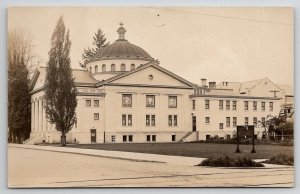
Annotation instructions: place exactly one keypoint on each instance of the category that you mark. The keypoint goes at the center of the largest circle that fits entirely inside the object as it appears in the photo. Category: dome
(122, 49)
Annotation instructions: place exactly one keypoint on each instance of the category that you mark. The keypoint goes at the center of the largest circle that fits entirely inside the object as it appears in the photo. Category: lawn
(201, 150)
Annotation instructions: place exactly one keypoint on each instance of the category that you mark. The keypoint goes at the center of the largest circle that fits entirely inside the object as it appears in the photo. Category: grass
(200, 150)
(226, 161)
(281, 159)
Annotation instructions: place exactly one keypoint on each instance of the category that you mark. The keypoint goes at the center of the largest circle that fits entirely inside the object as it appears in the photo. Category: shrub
(230, 162)
(281, 159)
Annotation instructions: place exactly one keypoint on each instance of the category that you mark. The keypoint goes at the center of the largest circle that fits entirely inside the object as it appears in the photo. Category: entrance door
(93, 135)
(194, 123)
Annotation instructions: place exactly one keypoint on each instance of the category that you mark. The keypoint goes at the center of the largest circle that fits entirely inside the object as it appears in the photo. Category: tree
(99, 42)
(60, 92)
(278, 125)
(19, 100)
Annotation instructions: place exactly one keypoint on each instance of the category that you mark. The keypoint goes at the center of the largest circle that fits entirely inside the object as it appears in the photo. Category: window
(132, 66)
(263, 106)
(127, 100)
(113, 138)
(96, 116)
(207, 120)
(153, 137)
(172, 101)
(221, 104)
(91, 70)
(96, 103)
(150, 101)
(255, 121)
(173, 137)
(123, 120)
(246, 121)
(170, 120)
(124, 138)
(75, 123)
(263, 121)
(130, 138)
(246, 105)
(220, 125)
(227, 121)
(233, 105)
(113, 67)
(96, 69)
(103, 68)
(254, 105)
(148, 122)
(129, 120)
(123, 67)
(227, 105)
(206, 104)
(126, 120)
(88, 103)
(194, 104)
(271, 106)
(148, 138)
(152, 120)
(175, 120)
(234, 120)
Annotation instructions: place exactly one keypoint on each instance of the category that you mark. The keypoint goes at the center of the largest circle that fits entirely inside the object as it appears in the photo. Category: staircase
(33, 140)
(190, 136)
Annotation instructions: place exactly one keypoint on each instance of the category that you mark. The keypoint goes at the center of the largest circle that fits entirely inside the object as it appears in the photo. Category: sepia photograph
(150, 97)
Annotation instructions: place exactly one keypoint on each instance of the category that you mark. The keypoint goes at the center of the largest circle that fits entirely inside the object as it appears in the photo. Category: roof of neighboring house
(288, 90)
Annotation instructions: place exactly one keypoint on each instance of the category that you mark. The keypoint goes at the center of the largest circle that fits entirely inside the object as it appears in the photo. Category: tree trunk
(63, 139)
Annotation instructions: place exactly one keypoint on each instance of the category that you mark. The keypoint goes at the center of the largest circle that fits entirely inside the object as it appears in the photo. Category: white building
(124, 95)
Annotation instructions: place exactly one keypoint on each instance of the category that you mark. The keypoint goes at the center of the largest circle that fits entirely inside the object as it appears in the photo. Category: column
(40, 115)
(32, 115)
(36, 114)
(44, 117)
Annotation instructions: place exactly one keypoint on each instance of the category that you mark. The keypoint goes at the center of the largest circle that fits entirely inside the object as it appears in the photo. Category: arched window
(113, 67)
(103, 68)
(96, 69)
(123, 67)
(132, 66)
(90, 69)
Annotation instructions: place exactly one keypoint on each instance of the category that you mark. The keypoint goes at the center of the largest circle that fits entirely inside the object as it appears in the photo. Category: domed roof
(122, 49)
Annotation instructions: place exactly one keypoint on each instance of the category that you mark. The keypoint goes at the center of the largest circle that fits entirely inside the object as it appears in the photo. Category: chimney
(212, 84)
(203, 82)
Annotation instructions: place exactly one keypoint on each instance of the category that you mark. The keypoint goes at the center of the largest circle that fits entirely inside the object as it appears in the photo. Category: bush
(230, 162)
(281, 159)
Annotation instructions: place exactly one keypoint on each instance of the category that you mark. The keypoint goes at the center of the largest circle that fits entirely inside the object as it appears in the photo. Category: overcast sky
(220, 44)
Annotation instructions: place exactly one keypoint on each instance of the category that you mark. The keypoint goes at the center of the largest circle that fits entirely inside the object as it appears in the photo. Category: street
(40, 168)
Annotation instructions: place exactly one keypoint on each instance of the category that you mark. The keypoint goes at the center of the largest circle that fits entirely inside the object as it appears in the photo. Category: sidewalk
(131, 156)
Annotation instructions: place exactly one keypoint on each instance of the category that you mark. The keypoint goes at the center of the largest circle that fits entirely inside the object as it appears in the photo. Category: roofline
(145, 85)
(240, 97)
(144, 66)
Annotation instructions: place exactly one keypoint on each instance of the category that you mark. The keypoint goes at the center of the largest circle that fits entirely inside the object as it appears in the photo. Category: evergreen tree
(19, 103)
(99, 41)
(60, 92)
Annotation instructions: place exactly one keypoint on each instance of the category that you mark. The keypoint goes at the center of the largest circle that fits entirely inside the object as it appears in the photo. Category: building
(125, 95)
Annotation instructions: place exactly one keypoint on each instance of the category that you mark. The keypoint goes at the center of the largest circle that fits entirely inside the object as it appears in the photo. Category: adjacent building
(125, 95)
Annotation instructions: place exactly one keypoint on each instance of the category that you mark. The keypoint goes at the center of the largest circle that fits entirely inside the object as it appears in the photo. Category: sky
(219, 44)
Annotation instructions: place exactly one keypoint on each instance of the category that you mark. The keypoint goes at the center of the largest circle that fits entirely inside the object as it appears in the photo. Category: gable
(264, 88)
(37, 80)
(152, 76)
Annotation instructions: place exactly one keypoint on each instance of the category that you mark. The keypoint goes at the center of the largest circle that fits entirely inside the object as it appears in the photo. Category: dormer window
(113, 67)
(123, 67)
(103, 68)
(132, 66)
